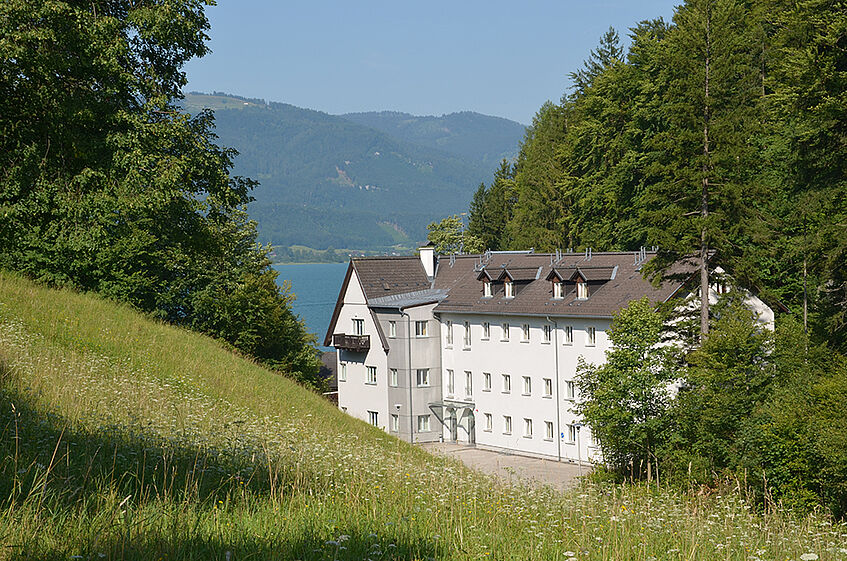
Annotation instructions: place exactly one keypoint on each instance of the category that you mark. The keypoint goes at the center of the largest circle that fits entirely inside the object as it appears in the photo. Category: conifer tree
(704, 158)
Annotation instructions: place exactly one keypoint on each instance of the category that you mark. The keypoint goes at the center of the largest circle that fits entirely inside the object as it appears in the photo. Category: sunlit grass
(125, 438)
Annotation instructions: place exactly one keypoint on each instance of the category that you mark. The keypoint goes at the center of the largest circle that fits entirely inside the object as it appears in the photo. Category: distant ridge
(468, 134)
(329, 181)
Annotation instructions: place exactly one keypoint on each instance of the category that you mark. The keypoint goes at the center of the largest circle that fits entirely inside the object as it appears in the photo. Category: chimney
(427, 253)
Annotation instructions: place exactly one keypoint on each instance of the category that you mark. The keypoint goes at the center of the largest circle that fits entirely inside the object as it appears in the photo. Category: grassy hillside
(326, 181)
(122, 438)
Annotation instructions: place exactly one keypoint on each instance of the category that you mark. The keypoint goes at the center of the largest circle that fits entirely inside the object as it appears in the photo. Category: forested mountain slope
(473, 136)
(326, 181)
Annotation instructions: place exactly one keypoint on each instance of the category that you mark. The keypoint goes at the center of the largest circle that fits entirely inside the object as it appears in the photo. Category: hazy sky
(426, 58)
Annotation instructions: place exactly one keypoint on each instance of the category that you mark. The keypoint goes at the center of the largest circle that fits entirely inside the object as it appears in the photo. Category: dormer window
(486, 289)
(581, 290)
(558, 290)
(510, 289)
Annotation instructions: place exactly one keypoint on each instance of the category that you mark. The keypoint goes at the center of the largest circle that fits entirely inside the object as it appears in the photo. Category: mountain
(329, 181)
(473, 136)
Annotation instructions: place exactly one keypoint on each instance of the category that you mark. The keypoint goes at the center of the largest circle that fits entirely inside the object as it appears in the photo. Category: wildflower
(809, 557)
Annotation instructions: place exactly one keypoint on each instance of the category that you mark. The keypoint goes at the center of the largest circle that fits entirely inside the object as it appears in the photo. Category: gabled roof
(386, 276)
(381, 278)
(520, 274)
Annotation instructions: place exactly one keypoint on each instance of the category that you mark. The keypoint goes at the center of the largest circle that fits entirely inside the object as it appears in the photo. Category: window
(486, 289)
(558, 291)
(505, 328)
(572, 433)
(489, 422)
(548, 430)
(527, 428)
(548, 387)
(570, 390)
(507, 425)
(420, 328)
(423, 423)
(581, 290)
(358, 327)
(373, 418)
(451, 382)
(548, 333)
(423, 376)
(449, 329)
(392, 329)
(486, 381)
(342, 375)
(468, 383)
(467, 340)
(371, 374)
(507, 383)
(393, 380)
(510, 289)
(591, 336)
(486, 330)
(395, 423)
(525, 333)
(527, 385)
(568, 335)
(344, 409)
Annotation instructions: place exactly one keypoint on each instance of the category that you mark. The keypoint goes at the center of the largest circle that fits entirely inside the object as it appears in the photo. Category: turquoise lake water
(316, 286)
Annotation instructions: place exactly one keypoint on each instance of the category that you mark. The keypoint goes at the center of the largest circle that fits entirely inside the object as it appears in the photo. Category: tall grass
(122, 438)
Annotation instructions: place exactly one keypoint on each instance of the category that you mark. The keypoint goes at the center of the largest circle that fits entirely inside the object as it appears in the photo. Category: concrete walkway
(559, 475)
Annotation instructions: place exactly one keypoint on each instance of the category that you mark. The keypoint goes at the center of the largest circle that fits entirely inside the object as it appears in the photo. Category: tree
(492, 209)
(607, 52)
(108, 186)
(449, 236)
(539, 209)
(729, 375)
(626, 400)
(704, 157)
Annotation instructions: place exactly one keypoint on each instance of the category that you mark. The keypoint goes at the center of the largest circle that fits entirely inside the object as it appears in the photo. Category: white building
(482, 349)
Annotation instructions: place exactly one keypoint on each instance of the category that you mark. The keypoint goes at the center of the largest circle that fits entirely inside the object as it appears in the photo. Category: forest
(721, 136)
(107, 186)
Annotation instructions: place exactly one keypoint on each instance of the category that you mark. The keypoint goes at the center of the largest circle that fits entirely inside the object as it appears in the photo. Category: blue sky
(426, 58)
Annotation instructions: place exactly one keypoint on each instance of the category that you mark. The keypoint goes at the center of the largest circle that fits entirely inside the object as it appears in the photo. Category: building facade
(483, 349)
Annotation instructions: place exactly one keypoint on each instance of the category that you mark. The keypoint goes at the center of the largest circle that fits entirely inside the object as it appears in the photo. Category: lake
(316, 286)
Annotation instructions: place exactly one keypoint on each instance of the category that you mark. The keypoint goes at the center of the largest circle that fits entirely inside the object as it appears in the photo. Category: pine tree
(607, 52)
(704, 158)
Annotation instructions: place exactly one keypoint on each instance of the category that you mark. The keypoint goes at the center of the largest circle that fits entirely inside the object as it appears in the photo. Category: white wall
(517, 358)
(355, 395)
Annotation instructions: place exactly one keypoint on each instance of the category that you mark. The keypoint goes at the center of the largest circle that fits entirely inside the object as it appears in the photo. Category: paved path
(559, 475)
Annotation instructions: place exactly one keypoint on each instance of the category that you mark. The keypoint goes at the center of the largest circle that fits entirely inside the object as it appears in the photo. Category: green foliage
(491, 209)
(449, 237)
(626, 399)
(796, 438)
(728, 376)
(108, 187)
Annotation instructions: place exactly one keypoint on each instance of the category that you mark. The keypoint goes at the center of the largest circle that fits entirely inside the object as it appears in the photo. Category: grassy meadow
(123, 438)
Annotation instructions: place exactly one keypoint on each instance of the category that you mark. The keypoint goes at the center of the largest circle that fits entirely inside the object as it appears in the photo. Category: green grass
(122, 438)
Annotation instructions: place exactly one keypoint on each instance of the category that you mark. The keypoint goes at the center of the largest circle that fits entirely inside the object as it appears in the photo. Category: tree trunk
(704, 195)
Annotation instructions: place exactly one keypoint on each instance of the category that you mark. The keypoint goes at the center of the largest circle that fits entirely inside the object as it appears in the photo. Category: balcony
(354, 343)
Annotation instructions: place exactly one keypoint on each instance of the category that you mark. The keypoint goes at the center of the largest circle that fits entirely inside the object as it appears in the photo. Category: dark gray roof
(387, 276)
(615, 280)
